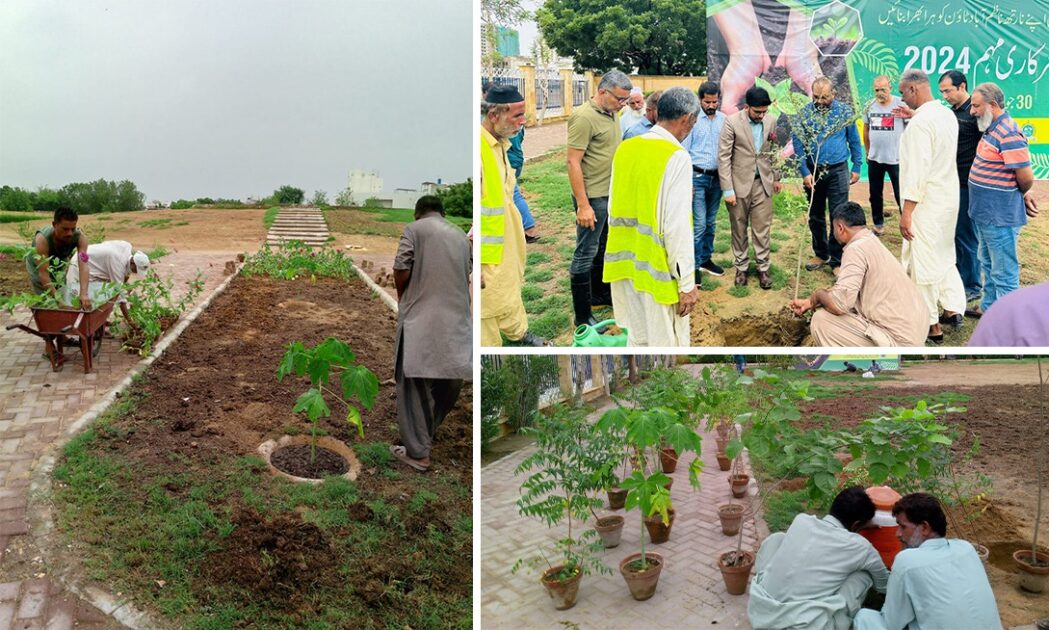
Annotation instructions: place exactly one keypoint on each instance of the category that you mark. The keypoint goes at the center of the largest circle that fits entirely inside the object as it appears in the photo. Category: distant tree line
(458, 199)
(86, 198)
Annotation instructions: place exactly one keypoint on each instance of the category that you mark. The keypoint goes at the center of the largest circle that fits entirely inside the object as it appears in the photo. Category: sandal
(401, 454)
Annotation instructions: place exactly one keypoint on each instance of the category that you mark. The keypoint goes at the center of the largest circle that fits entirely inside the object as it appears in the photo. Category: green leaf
(733, 448)
(288, 361)
(940, 439)
(826, 483)
(361, 382)
(313, 404)
(878, 473)
(354, 418)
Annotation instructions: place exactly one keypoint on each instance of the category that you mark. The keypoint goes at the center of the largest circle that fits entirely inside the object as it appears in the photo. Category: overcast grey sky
(235, 98)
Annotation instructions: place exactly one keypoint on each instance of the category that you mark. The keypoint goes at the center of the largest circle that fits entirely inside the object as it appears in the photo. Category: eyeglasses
(882, 89)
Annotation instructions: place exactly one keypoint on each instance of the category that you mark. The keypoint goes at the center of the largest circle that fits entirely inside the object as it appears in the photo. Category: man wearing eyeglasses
(882, 131)
(593, 137)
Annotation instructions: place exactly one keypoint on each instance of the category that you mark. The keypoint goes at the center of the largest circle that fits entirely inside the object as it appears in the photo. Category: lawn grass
(379, 221)
(20, 217)
(270, 216)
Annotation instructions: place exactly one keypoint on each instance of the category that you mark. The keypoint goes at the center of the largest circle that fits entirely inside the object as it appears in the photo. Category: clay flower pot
(669, 484)
(724, 463)
(739, 484)
(610, 529)
(668, 459)
(563, 592)
(736, 577)
(983, 553)
(721, 442)
(658, 532)
(722, 428)
(642, 583)
(731, 516)
(616, 498)
(1032, 574)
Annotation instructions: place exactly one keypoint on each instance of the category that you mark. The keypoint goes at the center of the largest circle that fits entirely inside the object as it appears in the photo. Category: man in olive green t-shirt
(593, 136)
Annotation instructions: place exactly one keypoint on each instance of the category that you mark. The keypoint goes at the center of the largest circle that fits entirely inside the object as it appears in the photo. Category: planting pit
(168, 502)
(770, 329)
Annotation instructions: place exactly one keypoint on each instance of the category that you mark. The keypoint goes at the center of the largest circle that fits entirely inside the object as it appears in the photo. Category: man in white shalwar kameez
(929, 189)
(652, 298)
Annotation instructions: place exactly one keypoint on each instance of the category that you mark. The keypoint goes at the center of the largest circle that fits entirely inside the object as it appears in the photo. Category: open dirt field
(1002, 408)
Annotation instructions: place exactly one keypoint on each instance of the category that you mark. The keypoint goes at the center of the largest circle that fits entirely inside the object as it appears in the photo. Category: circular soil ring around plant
(290, 457)
(298, 460)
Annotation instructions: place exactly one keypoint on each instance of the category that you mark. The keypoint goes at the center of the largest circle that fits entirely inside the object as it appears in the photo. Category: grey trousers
(755, 210)
(422, 405)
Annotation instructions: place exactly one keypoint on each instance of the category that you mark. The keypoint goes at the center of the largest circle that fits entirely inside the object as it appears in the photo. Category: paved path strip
(299, 224)
(37, 406)
(691, 592)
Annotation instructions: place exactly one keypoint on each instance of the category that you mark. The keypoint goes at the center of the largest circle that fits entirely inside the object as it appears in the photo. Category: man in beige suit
(749, 182)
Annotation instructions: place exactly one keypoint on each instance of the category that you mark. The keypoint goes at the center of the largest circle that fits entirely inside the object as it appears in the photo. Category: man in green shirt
(55, 245)
(593, 136)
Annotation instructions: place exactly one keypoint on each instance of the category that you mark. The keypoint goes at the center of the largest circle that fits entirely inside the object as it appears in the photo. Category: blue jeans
(522, 206)
(706, 198)
(1001, 268)
(965, 246)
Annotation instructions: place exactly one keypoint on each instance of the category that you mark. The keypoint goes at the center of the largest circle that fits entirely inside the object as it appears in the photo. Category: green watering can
(587, 336)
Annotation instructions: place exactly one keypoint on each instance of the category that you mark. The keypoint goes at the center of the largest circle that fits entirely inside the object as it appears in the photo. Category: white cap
(636, 90)
(141, 262)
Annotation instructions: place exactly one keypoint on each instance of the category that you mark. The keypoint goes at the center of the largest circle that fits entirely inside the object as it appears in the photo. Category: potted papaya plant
(644, 430)
(1033, 563)
(558, 492)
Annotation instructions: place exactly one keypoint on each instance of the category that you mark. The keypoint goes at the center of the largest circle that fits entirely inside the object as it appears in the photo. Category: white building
(365, 184)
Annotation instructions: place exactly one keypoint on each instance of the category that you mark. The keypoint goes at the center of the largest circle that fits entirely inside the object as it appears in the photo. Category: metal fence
(553, 101)
(580, 90)
(505, 76)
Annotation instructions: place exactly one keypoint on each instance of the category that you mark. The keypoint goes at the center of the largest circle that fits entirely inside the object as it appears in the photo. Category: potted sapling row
(558, 492)
(644, 430)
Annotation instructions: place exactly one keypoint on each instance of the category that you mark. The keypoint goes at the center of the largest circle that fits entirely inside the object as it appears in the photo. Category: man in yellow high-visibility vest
(502, 236)
(650, 259)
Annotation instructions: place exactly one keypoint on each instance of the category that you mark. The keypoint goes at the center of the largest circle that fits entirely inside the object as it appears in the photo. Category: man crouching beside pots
(936, 582)
(817, 573)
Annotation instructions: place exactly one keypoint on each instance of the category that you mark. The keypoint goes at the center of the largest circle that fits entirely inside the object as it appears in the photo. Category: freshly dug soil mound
(295, 460)
(772, 329)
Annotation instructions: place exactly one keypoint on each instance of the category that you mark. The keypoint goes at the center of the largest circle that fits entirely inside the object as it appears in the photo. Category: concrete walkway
(36, 407)
(541, 140)
(691, 592)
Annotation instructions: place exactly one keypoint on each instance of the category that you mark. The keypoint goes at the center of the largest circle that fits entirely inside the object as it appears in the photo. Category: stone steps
(299, 224)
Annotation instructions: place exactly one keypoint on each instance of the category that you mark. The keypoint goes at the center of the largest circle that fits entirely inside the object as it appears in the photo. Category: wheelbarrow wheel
(96, 346)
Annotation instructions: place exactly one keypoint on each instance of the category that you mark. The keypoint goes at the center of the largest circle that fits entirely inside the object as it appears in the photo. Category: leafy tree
(289, 195)
(344, 197)
(102, 196)
(47, 200)
(15, 199)
(181, 204)
(320, 198)
(655, 36)
(457, 199)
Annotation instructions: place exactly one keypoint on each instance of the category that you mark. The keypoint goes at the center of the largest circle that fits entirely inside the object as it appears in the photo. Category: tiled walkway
(691, 592)
(36, 407)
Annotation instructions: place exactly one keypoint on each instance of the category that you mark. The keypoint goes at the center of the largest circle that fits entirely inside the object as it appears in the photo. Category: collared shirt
(702, 142)
(994, 198)
(640, 129)
(969, 135)
(757, 128)
(941, 585)
(873, 284)
(516, 152)
(838, 146)
(597, 134)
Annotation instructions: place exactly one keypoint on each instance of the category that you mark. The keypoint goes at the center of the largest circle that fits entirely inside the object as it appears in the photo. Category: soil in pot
(736, 574)
(610, 529)
(563, 590)
(724, 463)
(659, 533)
(1033, 571)
(641, 581)
(731, 516)
(668, 460)
(616, 498)
(295, 460)
(739, 485)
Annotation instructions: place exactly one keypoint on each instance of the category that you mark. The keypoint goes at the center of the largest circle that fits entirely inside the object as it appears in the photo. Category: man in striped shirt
(999, 192)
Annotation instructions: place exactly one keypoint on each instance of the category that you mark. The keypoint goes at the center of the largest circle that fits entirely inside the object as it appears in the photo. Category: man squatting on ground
(54, 245)
(434, 337)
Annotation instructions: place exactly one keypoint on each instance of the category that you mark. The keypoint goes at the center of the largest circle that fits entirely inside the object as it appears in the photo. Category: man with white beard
(999, 193)
(634, 112)
(929, 189)
(936, 582)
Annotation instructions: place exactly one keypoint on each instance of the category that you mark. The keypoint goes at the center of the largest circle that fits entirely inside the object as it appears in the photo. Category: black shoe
(699, 280)
(936, 339)
(814, 264)
(531, 239)
(954, 321)
(531, 340)
(600, 292)
(581, 298)
(712, 268)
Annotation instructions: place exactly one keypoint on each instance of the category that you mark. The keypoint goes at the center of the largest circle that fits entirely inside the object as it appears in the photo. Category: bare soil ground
(1003, 410)
(214, 397)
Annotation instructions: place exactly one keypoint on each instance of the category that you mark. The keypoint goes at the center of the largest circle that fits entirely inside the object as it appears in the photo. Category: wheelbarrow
(53, 325)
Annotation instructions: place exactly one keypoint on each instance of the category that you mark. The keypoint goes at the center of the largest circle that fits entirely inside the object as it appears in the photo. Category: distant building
(507, 41)
(364, 184)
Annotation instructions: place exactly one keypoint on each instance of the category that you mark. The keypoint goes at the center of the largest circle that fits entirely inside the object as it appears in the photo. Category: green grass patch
(157, 253)
(709, 283)
(781, 507)
(536, 258)
(270, 216)
(21, 217)
(373, 454)
(531, 293)
(160, 224)
(780, 236)
(551, 323)
(556, 302)
(739, 291)
(541, 274)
